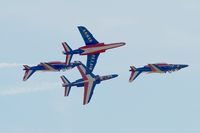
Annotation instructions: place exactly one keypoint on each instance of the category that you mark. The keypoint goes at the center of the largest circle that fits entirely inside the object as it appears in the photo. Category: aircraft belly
(93, 50)
(79, 83)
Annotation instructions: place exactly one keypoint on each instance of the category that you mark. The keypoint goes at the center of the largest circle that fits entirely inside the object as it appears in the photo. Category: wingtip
(62, 77)
(130, 81)
(81, 26)
(24, 78)
(85, 103)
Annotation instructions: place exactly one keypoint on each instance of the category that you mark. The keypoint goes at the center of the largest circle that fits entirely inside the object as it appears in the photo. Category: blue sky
(154, 31)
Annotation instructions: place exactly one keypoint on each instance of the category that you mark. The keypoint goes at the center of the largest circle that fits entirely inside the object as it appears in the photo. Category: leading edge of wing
(84, 71)
(88, 91)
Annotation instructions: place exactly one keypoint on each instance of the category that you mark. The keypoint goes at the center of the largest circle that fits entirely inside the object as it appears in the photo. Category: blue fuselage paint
(98, 79)
(166, 68)
(57, 67)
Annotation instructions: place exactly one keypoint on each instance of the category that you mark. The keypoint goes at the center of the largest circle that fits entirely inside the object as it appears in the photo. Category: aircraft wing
(84, 71)
(87, 36)
(48, 67)
(155, 68)
(91, 61)
(88, 91)
(89, 83)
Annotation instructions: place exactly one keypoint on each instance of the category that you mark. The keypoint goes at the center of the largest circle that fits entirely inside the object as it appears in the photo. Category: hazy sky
(154, 31)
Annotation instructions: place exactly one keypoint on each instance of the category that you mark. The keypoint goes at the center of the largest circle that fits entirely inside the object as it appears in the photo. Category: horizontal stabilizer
(66, 84)
(132, 68)
(134, 73)
(66, 47)
(67, 52)
(28, 74)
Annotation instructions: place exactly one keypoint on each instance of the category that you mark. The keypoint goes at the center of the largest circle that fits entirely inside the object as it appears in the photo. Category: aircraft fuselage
(97, 80)
(95, 48)
(161, 68)
(56, 65)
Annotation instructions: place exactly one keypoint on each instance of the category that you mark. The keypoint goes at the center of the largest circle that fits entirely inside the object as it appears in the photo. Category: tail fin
(134, 73)
(67, 52)
(66, 84)
(28, 72)
(132, 68)
(26, 67)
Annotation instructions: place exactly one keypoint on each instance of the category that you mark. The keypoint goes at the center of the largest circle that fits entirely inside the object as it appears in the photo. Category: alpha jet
(92, 49)
(155, 68)
(54, 66)
(88, 81)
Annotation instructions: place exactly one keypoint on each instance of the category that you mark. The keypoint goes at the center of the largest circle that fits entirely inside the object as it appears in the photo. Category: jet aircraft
(92, 49)
(155, 68)
(49, 66)
(88, 80)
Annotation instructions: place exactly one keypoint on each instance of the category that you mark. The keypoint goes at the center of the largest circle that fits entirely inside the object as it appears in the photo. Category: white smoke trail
(10, 65)
(29, 89)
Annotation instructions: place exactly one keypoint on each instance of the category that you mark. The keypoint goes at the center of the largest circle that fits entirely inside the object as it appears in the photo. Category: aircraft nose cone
(122, 43)
(183, 66)
(114, 75)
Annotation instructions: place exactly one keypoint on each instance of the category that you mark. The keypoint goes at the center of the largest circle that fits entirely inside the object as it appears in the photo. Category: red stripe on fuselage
(98, 48)
(152, 68)
(56, 62)
(96, 52)
(92, 45)
(162, 64)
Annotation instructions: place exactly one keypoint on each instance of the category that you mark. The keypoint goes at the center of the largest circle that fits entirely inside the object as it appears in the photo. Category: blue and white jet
(53, 66)
(88, 81)
(92, 49)
(155, 68)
